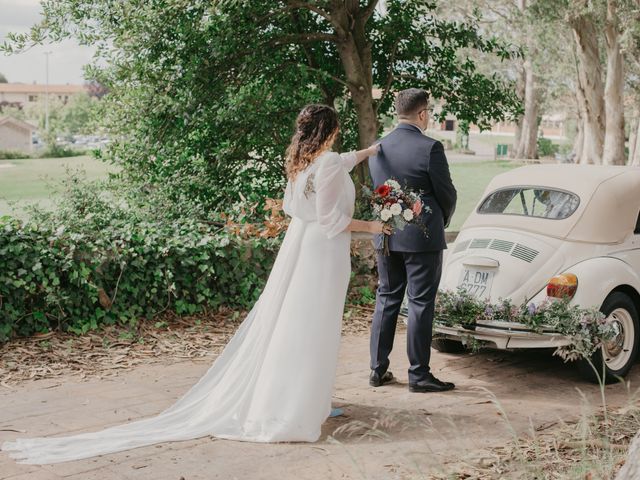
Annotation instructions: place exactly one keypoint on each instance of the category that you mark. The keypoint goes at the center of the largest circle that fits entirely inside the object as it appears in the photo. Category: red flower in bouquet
(383, 190)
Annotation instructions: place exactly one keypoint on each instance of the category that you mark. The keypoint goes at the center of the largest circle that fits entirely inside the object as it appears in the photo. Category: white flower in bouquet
(393, 184)
(408, 215)
(395, 209)
(377, 208)
(385, 214)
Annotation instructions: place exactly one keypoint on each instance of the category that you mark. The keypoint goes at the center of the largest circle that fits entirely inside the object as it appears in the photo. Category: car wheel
(446, 345)
(619, 354)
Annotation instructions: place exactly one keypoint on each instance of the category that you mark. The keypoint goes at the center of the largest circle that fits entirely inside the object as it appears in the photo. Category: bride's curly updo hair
(316, 129)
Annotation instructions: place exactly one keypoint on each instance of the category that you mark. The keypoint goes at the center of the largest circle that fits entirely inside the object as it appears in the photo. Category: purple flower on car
(531, 308)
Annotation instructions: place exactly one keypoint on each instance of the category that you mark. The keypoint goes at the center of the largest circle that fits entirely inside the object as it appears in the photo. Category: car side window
(637, 230)
(530, 202)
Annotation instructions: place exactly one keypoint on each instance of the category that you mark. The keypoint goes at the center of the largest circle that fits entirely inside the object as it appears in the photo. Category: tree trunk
(526, 144)
(589, 83)
(528, 147)
(633, 136)
(582, 121)
(578, 143)
(527, 141)
(635, 158)
(367, 130)
(520, 86)
(613, 152)
(354, 49)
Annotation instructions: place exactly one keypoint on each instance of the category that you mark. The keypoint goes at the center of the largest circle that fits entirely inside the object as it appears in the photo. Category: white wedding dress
(274, 380)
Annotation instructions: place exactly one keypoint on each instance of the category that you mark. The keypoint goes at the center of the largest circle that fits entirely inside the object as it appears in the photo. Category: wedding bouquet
(395, 206)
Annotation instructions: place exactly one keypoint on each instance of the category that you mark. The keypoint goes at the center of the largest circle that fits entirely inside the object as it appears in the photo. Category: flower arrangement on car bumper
(587, 328)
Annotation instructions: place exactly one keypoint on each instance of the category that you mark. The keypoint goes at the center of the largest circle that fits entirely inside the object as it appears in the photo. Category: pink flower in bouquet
(417, 208)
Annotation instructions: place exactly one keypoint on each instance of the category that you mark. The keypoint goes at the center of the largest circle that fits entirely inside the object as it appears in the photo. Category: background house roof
(17, 122)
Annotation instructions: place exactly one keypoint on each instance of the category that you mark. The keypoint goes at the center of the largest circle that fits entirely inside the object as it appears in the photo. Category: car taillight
(562, 286)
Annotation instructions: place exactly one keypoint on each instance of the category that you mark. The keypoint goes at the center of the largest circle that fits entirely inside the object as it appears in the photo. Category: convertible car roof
(608, 209)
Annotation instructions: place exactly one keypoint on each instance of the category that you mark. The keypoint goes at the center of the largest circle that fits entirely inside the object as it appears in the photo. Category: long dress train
(274, 380)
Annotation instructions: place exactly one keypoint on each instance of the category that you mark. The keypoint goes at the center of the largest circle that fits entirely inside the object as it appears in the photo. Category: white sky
(65, 63)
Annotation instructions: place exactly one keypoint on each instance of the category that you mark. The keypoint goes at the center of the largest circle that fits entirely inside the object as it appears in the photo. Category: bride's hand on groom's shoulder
(373, 149)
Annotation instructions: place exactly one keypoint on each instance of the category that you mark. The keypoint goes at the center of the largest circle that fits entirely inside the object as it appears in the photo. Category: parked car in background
(544, 230)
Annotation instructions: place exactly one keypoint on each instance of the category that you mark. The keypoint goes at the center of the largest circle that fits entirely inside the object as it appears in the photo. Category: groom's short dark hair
(410, 101)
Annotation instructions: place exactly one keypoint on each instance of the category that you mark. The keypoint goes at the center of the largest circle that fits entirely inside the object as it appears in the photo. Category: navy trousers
(419, 273)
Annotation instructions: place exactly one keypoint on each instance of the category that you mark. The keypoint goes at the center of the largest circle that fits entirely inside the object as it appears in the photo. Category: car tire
(617, 366)
(446, 345)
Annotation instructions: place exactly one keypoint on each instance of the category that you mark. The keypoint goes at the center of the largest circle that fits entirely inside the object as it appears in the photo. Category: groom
(415, 261)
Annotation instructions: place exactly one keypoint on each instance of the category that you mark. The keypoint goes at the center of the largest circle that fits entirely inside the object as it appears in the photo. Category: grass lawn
(470, 180)
(35, 179)
(494, 139)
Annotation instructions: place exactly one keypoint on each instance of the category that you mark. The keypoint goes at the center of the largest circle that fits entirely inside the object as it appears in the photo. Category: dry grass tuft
(594, 446)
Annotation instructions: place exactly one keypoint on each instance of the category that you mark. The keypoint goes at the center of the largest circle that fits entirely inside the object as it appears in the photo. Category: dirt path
(387, 433)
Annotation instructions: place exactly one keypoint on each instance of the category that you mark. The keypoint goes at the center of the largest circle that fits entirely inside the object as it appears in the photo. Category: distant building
(24, 94)
(16, 135)
(551, 126)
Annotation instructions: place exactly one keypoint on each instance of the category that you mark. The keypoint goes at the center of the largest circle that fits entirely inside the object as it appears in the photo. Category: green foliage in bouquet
(587, 328)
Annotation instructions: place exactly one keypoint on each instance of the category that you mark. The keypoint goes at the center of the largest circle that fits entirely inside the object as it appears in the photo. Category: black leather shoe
(431, 384)
(375, 380)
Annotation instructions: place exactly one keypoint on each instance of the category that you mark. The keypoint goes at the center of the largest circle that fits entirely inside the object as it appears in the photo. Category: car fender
(598, 277)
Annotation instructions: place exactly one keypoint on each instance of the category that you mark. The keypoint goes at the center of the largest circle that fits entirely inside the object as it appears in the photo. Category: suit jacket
(417, 162)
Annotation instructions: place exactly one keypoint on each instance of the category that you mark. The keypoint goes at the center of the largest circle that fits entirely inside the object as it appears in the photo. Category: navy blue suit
(415, 260)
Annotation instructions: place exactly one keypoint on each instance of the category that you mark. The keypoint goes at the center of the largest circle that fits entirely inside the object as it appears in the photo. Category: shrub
(12, 155)
(60, 151)
(546, 148)
(95, 260)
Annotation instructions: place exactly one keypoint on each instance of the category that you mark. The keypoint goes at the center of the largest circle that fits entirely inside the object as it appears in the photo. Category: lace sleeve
(286, 201)
(329, 190)
(349, 160)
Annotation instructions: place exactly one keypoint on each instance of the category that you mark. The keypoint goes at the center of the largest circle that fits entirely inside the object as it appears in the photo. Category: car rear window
(530, 202)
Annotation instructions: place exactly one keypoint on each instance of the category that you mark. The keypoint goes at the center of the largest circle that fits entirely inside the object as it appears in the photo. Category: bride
(274, 380)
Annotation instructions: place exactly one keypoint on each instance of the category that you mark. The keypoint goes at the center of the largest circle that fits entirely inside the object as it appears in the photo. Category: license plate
(476, 282)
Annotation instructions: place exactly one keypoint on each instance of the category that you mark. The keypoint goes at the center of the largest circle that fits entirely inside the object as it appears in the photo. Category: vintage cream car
(539, 227)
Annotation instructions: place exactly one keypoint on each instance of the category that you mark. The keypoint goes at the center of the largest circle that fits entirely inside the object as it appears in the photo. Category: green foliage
(586, 328)
(364, 295)
(98, 261)
(3, 79)
(546, 148)
(78, 115)
(55, 150)
(12, 155)
(203, 95)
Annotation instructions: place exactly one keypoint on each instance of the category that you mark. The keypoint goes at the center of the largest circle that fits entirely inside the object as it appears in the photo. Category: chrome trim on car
(503, 338)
